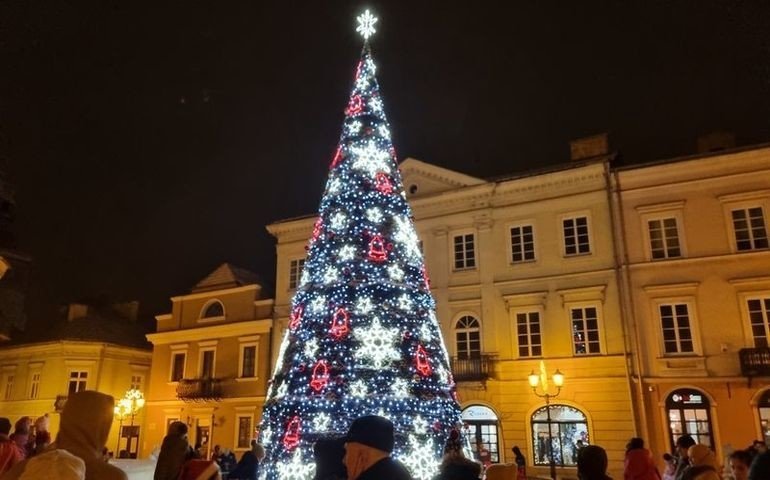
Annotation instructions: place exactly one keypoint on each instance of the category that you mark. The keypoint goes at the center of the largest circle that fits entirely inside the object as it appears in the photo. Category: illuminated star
(366, 23)
(404, 302)
(420, 425)
(311, 348)
(347, 252)
(359, 389)
(364, 305)
(400, 388)
(267, 432)
(338, 221)
(395, 272)
(425, 334)
(318, 304)
(374, 215)
(321, 421)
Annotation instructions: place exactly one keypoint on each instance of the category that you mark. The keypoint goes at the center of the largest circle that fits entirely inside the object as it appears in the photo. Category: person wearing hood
(454, 465)
(639, 464)
(703, 464)
(592, 463)
(83, 431)
(174, 452)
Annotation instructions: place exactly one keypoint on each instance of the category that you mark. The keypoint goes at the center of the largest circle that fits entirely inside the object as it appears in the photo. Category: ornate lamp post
(541, 379)
(128, 406)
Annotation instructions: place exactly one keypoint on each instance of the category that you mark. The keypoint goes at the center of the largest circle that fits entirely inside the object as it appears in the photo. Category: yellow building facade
(88, 351)
(696, 261)
(210, 362)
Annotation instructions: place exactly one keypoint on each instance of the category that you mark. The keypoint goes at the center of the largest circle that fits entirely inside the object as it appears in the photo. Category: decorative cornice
(525, 299)
(236, 329)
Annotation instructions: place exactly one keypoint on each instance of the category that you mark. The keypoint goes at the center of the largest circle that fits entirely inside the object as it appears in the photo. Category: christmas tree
(363, 338)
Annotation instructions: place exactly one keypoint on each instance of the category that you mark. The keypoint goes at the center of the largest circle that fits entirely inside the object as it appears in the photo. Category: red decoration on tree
(320, 376)
(291, 437)
(296, 316)
(337, 157)
(425, 277)
(355, 106)
(316, 230)
(377, 249)
(340, 323)
(421, 361)
(382, 183)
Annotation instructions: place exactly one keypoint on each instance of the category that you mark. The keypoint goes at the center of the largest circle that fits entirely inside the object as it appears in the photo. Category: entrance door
(481, 426)
(689, 412)
(130, 434)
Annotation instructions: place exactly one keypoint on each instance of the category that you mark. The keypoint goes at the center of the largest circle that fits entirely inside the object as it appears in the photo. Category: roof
(227, 276)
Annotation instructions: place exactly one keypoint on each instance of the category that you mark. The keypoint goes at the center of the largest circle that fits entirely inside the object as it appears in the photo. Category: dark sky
(151, 141)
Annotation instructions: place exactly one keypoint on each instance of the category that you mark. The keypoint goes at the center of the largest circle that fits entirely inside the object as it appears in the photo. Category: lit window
(295, 272)
(178, 360)
(34, 386)
(576, 238)
(764, 416)
(528, 332)
(8, 387)
(664, 238)
(136, 382)
(759, 315)
(214, 309)
(689, 414)
(585, 330)
(207, 363)
(244, 432)
(468, 336)
(78, 381)
(522, 244)
(749, 229)
(677, 332)
(464, 251)
(249, 361)
(567, 430)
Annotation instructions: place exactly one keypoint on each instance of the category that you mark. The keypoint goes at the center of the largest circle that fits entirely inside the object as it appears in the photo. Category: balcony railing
(199, 389)
(755, 362)
(471, 369)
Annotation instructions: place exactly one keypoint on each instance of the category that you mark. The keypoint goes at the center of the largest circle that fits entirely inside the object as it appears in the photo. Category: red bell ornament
(355, 106)
(337, 157)
(421, 362)
(382, 183)
(296, 317)
(320, 376)
(425, 277)
(377, 249)
(340, 324)
(291, 437)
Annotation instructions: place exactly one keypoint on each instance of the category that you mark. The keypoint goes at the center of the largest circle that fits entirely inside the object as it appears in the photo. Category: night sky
(151, 141)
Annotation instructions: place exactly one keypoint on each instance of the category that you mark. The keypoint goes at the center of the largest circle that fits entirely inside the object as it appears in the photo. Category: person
(174, 452)
(760, 467)
(227, 460)
(57, 463)
(216, 453)
(84, 427)
(740, 461)
(42, 435)
(669, 473)
(592, 463)
(10, 454)
(683, 443)
(638, 464)
(454, 465)
(368, 445)
(521, 463)
(328, 454)
(759, 446)
(20, 435)
(703, 464)
(248, 466)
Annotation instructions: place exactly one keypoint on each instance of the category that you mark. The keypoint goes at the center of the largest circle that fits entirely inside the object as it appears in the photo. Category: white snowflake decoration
(366, 23)
(371, 158)
(318, 304)
(297, 469)
(311, 348)
(359, 389)
(347, 252)
(364, 305)
(321, 421)
(377, 344)
(404, 302)
(420, 460)
(267, 433)
(334, 185)
(400, 388)
(384, 131)
(396, 273)
(331, 275)
(406, 235)
(376, 104)
(374, 215)
(425, 334)
(338, 221)
(420, 425)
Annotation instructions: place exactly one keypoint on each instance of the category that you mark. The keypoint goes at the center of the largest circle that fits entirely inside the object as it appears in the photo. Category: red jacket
(10, 455)
(640, 466)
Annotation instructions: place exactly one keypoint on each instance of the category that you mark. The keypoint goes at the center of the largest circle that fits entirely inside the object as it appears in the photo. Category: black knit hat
(373, 431)
(5, 426)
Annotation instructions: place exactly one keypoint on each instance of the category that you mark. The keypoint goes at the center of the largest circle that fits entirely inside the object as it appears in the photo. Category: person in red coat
(639, 464)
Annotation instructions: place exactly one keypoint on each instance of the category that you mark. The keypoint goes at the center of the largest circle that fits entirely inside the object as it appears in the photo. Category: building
(95, 347)
(696, 261)
(523, 270)
(210, 362)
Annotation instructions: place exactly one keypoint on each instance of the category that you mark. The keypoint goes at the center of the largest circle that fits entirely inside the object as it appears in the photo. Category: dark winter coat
(639, 465)
(247, 468)
(174, 452)
(386, 469)
(459, 468)
(760, 467)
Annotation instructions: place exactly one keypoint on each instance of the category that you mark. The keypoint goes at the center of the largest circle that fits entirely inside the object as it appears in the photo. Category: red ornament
(377, 249)
(296, 316)
(340, 323)
(382, 183)
(425, 277)
(337, 157)
(291, 437)
(320, 376)
(316, 230)
(355, 106)
(421, 361)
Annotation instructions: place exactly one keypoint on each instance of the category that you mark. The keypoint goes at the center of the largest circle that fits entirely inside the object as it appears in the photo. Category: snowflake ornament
(297, 469)
(406, 236)
(421, 460)
(376, 104)
(377, 344)
(366, 23)
(371, 158)
(425, 334)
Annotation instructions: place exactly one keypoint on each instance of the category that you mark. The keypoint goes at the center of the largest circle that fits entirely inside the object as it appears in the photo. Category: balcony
(199, 389)
(755, 362)
(471, 369)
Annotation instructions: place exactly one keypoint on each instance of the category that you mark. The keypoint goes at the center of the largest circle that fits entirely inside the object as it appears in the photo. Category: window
(576, 239)
(465, 251)
(244, 432)
(689, 413)
(522, 244)
(248, 361)
(585, 330)
(759, 315)
(207, 363)
(8, 387)
(482, 428)
(559, 431)
(34, 386)
(764, 416)
(178, 360)
(136, 382)
(467, 335)
(78, 381)
(214, 309)
(749, 229)
(664, 238)
(528, 333)
(675, 325)
(295, 272)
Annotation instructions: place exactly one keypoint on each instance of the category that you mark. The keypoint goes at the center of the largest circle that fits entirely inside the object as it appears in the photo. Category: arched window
(565, 428)
(689, 412)
(481, 424)
(213, 309)
(764, 415)
(468, 338)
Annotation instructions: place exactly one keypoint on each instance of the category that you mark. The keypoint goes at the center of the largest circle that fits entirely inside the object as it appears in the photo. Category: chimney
(76, 310)
(716, 141)
(129, 310)
(589, 147)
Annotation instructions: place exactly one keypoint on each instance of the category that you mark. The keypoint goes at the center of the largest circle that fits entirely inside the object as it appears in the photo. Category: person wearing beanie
(639, 464)
(454, 465)
(592, 463)
(368, 445)
(10, 454)
(703, 464)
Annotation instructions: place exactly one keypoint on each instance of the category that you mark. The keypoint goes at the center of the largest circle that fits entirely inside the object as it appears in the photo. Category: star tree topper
(366, 23)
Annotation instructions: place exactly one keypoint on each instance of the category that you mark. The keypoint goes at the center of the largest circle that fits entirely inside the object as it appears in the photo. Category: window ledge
(246, 379)
(577, 255)
(686, 364)
(212, 319)
(515, 263)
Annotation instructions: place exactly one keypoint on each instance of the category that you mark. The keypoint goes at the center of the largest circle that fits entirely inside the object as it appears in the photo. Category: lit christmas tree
(363, 338)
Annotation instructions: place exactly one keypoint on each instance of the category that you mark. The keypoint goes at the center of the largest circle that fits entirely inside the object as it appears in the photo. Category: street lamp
(541, 379)
(128, 406)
